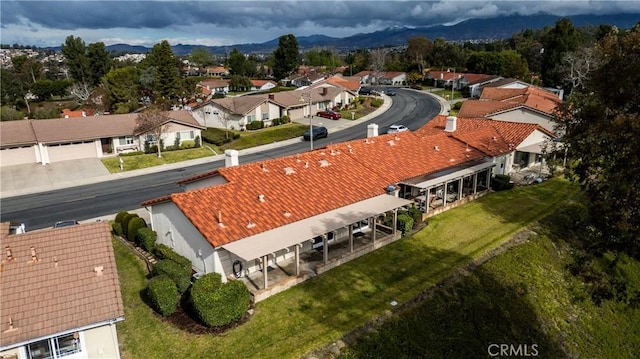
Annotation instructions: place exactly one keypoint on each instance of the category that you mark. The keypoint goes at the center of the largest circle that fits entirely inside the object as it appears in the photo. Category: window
(56, 347)
(185, 135)
(151, 139)
(126, 140)
(265, 116)
(251, 118)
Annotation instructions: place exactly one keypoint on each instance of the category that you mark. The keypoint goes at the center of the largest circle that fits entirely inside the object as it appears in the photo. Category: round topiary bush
(125, 222)
(120, 216)
(218, 304)
(116, 227)
(178, 274)
(163, 294)
(146, 239)
(133, 226)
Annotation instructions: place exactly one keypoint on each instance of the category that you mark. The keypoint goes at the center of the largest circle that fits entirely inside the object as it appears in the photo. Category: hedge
(255, 125)
(117, 228)
(218, 137)
(163, 295)
(146, 239)
(501, 183)
(133, 226)
(120, 216)
(405, 223)
(415, 213)
(162, 251)
(219, 304)
(178, 274)
(125, 222)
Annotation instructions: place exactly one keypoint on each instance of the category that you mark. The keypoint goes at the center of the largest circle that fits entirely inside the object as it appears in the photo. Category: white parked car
(397, 129)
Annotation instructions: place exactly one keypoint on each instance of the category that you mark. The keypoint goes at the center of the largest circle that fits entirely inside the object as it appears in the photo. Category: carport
(261, 245)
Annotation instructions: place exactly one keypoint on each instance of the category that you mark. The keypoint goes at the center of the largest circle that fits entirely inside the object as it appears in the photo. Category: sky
(224, 23)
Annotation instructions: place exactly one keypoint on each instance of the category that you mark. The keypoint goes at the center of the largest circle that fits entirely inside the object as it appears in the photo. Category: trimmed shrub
(217, 136)
(188, 144)
(116, 228)
(197, 142)
(146, 239)
(120, 216)
(178, 274)
(501, 183)
(125, 222)
(219, 304)
(162, 251)
(376, 102)
(133, 153)
(163, 295)
(275, 122)
(133, 226)
(255, 125)
(285, 119)
(415, 214)
(405, 223)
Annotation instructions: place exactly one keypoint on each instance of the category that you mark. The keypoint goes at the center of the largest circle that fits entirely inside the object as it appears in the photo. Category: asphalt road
(410, 108)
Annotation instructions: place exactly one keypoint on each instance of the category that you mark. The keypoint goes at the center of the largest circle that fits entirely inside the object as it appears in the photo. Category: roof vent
(34, 256)
(306, 164)
(495, 138)
(220, 224)
(436, 148)
(264, 168)
(298, 159)
(467, 149)
(10, 257)
(391, 143)
(397, 138)
(324, 163)
(261, 198)
(289, 170)
(99, 270)
(250, 224)
(452, 160)
(11, 328)
(286, 214)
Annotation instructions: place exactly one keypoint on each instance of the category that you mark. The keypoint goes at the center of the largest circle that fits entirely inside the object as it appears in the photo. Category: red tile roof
(320, 181)
(494, 100)
(62, 290)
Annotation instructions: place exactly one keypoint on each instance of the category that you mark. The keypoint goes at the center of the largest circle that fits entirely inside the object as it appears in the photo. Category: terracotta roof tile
(61, 291)
(494, 100)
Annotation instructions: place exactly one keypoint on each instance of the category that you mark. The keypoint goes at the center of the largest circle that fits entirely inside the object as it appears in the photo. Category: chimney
(272, 96)
(98, 270)
(451, 124)
(84, 114)
(230, 158)
(372, 130)
(324, 91)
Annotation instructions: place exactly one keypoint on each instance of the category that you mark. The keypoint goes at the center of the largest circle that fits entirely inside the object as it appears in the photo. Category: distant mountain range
(472, 29)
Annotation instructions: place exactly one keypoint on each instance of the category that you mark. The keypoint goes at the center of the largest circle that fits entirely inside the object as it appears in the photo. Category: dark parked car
(329, 114)
(391, 92)
(71, 222)
(365, 91)
(318, 132)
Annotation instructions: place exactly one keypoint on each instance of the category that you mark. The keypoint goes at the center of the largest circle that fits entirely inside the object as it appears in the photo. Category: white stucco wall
(102, 342)
(177, 232)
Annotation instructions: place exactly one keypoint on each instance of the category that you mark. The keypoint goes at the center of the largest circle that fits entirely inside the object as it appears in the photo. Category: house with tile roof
(527, 105)
(511, 145)
(218, 71)
(392, 78)
(60, 293)
(243, 221)
(213, 85)
(262, 85)
(63, 139)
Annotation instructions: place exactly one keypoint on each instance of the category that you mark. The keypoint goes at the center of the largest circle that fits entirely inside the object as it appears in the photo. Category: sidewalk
(34, 178)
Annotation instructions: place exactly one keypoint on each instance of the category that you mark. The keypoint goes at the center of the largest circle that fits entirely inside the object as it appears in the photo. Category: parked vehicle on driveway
(318, 132)
(329, 114)
(397, 129)
(391, 92)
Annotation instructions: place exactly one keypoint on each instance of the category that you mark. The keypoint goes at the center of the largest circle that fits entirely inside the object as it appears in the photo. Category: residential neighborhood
(426, 198)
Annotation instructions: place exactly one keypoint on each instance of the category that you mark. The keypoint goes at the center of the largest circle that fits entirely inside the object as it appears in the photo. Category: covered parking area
(273, 275)
(435, 192)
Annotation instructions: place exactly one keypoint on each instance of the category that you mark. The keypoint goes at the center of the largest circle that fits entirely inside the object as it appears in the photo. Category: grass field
(317, 312)
(149, 160)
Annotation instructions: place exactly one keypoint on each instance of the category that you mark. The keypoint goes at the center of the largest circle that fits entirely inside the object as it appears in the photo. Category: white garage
(17, 156)
(72, 151)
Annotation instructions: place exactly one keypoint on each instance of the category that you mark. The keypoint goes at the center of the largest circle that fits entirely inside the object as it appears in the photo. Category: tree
(602, 129)
(418, 48)
(378, 59)
(167, 72)
(559, 40)
(122, 87)
(76, 60)
(237, 63)
(155, 122)
(201, 56)
(99, 62)
(81, 91)
(285, 57)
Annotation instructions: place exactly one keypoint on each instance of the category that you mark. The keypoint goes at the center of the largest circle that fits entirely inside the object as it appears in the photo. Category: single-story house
(60, 293)
(245, 220)
(365, 76)
(211, 86)
(511, 145)
(476, 82)
(218, 71)
(393, 78)
(262, 85)
(62, 139)
(528, 105)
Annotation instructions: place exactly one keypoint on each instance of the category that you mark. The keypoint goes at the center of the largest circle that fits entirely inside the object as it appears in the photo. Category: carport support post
(264, 271)
(325, 249)
(373, 230)
(428, 200)
(475, 183)
(297, 251)
(488, 179)
(395, 221)
(351, 238)
(460, 188)
(444, 195)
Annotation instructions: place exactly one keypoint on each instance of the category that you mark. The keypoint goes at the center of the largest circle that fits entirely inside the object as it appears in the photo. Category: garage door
(17, 156)
(72, 151)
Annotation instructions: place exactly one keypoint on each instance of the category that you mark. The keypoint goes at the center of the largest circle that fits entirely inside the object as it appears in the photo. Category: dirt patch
(332, 350)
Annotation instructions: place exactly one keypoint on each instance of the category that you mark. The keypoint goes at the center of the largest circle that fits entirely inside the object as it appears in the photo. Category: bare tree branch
(81, 90)
(154, 122)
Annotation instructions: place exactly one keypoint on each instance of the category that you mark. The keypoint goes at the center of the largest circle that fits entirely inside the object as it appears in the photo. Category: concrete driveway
(35, 177)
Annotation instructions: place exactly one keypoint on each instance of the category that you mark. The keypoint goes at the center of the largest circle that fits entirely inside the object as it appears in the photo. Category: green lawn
(446, 94)
(149, 160)
(312, 314)
(266, 136)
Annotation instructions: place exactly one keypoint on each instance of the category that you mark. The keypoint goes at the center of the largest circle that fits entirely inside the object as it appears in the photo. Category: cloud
(233, 22)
